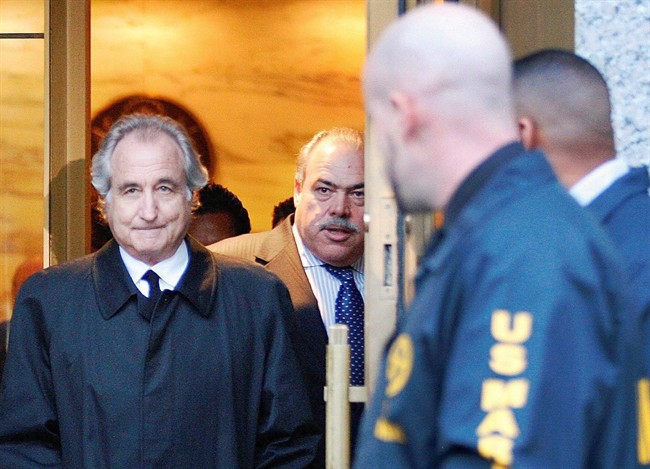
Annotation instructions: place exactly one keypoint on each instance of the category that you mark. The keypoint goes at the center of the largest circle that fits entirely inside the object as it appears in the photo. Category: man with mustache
(325, 231)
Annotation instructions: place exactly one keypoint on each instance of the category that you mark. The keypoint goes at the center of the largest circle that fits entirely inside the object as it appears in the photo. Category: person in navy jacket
(563, 108)
(520, 348)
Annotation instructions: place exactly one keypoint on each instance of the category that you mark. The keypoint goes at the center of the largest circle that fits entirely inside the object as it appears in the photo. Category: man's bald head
(565, 102)
(438, 89)
(449, 52)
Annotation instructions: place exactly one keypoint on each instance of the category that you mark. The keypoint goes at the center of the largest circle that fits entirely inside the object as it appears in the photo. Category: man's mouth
(336, 233)
(339, 225)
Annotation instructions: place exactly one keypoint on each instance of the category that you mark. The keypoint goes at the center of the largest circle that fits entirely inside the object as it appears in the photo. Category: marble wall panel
(615, 37)
(262, 77)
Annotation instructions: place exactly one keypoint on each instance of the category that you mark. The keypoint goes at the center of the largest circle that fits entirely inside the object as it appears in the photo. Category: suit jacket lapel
(278, 252)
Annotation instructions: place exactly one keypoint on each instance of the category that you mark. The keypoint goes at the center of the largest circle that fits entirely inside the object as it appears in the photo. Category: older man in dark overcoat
(153, 352)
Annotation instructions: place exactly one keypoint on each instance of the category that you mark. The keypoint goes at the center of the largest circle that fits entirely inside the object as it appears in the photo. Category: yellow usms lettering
(511, 330)
(643, 390)
(389, 432)
(497, 448)
(498, 393)
(500, 421)
(508, 357)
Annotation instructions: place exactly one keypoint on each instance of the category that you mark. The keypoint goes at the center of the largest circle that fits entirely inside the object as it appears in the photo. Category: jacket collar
(114, 287)
(479, 178)
(275, 241)
(635, 182)
(279, 254)
(509, 170)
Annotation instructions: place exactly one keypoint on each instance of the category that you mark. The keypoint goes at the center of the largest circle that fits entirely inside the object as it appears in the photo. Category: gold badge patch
(389, 432)
(399, 364)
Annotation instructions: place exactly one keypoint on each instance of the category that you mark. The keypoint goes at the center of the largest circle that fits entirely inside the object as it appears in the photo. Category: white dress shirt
(324, 285)
(598, 180)
(170, 270)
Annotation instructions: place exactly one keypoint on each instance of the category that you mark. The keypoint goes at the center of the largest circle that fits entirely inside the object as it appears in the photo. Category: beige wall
(21, 141)
(261, 76)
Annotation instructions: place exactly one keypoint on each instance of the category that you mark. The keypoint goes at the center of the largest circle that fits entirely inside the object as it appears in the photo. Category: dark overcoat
(211, 381)
(276, 250)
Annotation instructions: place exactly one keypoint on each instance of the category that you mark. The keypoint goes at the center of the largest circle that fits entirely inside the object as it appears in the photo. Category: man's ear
(528, 133)
(407, 112)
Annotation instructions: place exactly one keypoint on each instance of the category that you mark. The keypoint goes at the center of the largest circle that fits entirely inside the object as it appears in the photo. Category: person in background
(520, 348)
(310, 249)
(152, 352)
(220, 215)
(282, 211)
(563, 109)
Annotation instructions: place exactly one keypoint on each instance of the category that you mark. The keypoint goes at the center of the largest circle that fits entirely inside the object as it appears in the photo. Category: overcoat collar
(114, 287)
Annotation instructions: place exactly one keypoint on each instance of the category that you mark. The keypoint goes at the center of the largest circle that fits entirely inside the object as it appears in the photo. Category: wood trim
(67, 138)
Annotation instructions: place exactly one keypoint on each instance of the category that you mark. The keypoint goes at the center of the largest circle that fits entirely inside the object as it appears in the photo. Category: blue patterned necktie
(349, 311)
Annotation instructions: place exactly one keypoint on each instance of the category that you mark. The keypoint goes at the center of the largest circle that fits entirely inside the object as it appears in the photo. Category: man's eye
(323, 190)
(358, 194)
(131, 190)
(165, 189)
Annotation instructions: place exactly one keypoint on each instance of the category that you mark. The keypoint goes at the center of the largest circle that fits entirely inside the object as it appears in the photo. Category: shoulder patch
(399, 364)
(389, 432)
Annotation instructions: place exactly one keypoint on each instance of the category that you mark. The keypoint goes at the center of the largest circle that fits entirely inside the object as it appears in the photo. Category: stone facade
(615, 36)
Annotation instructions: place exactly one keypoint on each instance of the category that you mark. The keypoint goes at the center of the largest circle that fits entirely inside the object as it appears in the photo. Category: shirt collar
(310, 260)
(169, 270)
(598, 180)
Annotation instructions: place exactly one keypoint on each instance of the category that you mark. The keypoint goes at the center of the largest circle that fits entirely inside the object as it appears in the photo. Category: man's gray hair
(147, 127)
(344, 135)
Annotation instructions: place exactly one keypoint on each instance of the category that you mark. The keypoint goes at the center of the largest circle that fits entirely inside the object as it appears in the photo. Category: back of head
(282, 210)
(215, 198)
(452, 57)
(567, 99)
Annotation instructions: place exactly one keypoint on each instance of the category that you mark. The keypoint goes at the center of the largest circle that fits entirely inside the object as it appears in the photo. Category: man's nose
(340, 206)
(148, 206)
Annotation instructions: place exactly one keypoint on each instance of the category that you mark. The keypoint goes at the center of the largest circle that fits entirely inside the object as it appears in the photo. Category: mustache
(339, 222)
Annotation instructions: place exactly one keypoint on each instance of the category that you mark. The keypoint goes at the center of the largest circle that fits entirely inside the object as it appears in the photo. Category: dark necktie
(154, 290)
(349, 311)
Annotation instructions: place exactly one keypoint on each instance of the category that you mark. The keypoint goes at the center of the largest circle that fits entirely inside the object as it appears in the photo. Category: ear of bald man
(408, 113)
